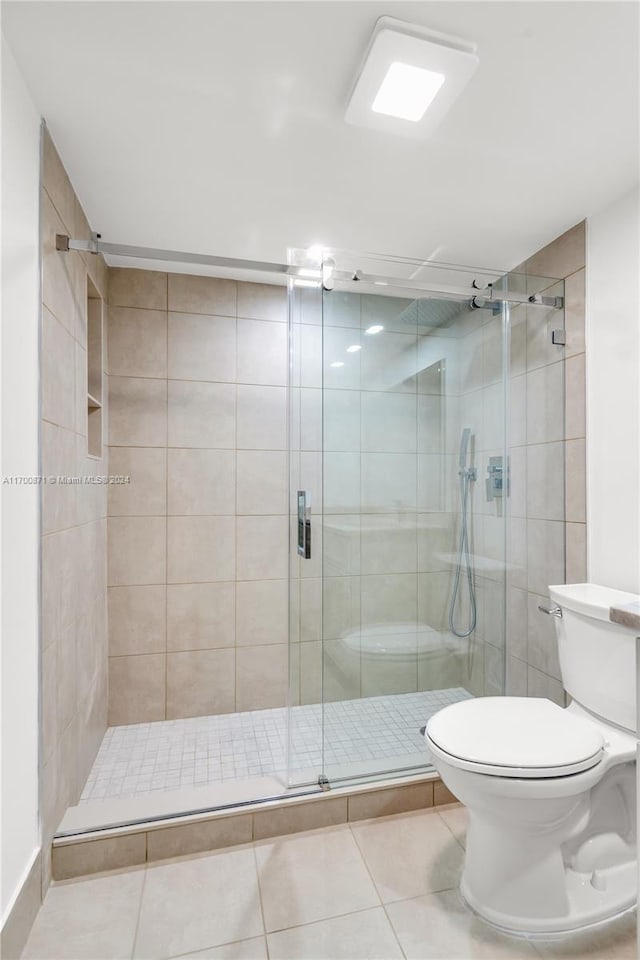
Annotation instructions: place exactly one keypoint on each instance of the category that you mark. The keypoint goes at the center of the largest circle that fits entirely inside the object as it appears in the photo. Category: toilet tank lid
(590, 599)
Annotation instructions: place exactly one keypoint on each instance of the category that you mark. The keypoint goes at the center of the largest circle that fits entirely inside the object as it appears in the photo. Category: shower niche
(95, 335)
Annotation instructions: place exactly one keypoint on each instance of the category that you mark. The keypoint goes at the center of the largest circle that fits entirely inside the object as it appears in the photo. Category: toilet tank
(597, 657)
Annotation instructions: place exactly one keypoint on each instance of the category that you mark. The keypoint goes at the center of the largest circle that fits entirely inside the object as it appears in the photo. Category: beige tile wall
(547, 431)
(74, 526)
(198, 539)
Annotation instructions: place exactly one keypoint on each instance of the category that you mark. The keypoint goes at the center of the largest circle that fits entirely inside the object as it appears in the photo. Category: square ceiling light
(409, 78)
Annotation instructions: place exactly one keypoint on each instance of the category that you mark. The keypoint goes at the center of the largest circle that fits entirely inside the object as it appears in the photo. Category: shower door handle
(304, 524)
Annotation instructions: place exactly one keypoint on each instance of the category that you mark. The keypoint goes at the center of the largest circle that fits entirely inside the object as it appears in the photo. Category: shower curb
(135, 846)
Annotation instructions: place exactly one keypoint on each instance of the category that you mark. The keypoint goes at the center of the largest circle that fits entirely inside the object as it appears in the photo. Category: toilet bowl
(550, 791)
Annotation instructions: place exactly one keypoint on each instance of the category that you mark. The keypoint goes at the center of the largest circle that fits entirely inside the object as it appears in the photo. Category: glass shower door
(305, 713)
(401, 374)
(414, 548)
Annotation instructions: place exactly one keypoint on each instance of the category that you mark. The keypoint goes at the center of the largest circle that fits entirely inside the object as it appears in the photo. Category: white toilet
(551, 845)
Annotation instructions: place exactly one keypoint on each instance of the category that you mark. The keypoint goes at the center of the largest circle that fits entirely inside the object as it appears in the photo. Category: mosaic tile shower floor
(172, 754)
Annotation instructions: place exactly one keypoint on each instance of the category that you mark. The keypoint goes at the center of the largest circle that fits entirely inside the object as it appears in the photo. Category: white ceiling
(218, 127)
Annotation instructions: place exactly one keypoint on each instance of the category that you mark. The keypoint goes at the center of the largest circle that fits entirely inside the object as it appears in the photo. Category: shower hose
(463, 559)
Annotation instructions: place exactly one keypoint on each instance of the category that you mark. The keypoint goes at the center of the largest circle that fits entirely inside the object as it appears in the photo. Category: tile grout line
(390, 922)
(259, 886)
(235, 523)
(166, 507)
(448, 827)
(139, 914)
(362, 856)
(375, 886)
(337, 916)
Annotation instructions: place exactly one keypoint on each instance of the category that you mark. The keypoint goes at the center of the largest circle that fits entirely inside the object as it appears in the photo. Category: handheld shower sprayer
(463, 471)
(464, 447)
(466, 476)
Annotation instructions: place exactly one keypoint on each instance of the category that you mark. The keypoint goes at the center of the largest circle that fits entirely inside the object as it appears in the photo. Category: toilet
(550, 791)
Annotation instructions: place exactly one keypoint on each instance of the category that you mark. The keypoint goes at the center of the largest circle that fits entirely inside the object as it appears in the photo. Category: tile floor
(382, 889)
(172, 754)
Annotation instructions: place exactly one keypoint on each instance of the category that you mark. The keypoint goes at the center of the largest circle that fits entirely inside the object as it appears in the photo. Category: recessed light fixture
(407, 91)
(410, 78)
(354, 348)
(376, 328)
(337, 363)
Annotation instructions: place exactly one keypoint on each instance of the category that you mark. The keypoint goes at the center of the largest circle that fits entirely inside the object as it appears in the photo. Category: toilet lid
(515, 737)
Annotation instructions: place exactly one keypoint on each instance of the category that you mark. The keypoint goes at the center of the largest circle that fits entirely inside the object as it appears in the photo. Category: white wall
(19, 511)
(613, 395)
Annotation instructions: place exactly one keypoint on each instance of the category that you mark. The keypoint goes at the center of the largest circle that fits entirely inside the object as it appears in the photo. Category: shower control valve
(494, 482)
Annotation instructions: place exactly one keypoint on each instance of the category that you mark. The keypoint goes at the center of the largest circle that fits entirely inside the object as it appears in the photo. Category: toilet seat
(519, 737)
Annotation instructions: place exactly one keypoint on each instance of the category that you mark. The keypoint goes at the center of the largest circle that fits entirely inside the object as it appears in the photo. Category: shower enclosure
(406, 472)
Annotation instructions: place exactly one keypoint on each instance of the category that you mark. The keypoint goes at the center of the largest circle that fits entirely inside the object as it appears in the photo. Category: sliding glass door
(399, 475)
